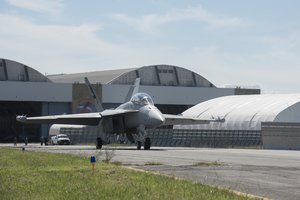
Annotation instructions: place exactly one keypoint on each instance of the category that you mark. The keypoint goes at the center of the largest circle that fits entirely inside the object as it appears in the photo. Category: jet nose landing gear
(142, 137)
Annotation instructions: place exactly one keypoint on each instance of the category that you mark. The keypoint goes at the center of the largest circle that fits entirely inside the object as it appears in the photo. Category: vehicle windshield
(141, 99)
(62, 136)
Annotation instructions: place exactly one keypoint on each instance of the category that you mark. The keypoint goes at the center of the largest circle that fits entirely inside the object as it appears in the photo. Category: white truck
(60, 139)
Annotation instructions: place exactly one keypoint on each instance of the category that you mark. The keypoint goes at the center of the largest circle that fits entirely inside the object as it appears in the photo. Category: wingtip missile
(21, 118)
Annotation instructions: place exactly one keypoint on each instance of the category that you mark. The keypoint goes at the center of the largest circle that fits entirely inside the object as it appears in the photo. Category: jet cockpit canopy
(141, 99)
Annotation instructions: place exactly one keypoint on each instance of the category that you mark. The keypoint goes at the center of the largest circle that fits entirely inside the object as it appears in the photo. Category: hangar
(173, 89)
(275, 116)
(250, 120)
(24, 90)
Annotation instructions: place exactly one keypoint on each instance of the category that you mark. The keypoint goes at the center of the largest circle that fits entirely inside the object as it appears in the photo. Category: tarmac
(273, 174)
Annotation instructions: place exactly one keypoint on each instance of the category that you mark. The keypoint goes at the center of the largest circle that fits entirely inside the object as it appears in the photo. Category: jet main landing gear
(99, 143)
(139, 145)
(147, 144)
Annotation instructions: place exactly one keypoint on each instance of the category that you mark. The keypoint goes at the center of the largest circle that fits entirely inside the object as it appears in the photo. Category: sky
(231, 43)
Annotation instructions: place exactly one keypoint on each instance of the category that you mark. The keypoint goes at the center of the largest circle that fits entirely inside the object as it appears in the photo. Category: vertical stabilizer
(136, 86)
(133, 89)
(98, 103)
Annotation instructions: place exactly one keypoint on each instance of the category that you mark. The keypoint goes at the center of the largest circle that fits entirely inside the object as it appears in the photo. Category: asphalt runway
(268, 173)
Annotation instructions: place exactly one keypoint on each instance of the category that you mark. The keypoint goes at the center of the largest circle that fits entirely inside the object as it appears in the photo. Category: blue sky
(241, 43)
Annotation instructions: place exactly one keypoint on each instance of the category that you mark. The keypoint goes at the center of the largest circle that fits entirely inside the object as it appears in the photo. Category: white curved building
(273, 119)
(246, 112)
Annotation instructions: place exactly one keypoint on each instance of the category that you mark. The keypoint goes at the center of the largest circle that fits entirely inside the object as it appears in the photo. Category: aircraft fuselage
(147, 115)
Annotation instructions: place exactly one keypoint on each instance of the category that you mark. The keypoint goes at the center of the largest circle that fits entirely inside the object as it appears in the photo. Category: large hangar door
(10, 128)
(172, 109)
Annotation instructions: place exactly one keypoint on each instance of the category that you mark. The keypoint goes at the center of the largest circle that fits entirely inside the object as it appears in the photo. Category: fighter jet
(132, 118)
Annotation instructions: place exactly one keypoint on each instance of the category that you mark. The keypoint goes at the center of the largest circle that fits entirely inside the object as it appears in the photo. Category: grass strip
(38, 175)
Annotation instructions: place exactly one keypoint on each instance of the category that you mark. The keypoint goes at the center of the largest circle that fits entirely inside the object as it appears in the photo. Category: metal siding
(114, 93)
(26, 73)
(291, 114)
(165, 94)
(14, 70)
(150, 75)
(4, 70)
(35, 91)
(280, 135)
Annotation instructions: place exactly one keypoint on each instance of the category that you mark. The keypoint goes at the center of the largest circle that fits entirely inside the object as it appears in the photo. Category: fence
(205, 138)
(175, 137)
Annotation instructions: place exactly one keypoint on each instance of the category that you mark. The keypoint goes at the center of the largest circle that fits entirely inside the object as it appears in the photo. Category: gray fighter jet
(131, 118)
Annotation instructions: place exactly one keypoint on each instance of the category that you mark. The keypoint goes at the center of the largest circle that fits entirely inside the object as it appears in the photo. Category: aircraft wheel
(139, 145)
(147, 144)
(99, 143)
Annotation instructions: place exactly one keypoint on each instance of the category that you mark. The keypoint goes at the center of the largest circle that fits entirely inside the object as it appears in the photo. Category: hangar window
(170, 71)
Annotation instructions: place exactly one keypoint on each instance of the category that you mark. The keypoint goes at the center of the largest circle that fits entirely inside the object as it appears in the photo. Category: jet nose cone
(156, 119)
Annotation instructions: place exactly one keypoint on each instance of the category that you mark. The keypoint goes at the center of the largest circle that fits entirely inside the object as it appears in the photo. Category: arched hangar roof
(246, 112)
(14, 71)
(154, 75)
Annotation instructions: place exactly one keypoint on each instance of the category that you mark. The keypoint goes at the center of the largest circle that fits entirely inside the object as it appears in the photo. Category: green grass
(208, 164)
(37, 175)
(153, 163)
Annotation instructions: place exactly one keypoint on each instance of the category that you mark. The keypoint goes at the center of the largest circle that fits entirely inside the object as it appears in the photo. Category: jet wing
(178, 119)
(92, 119)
